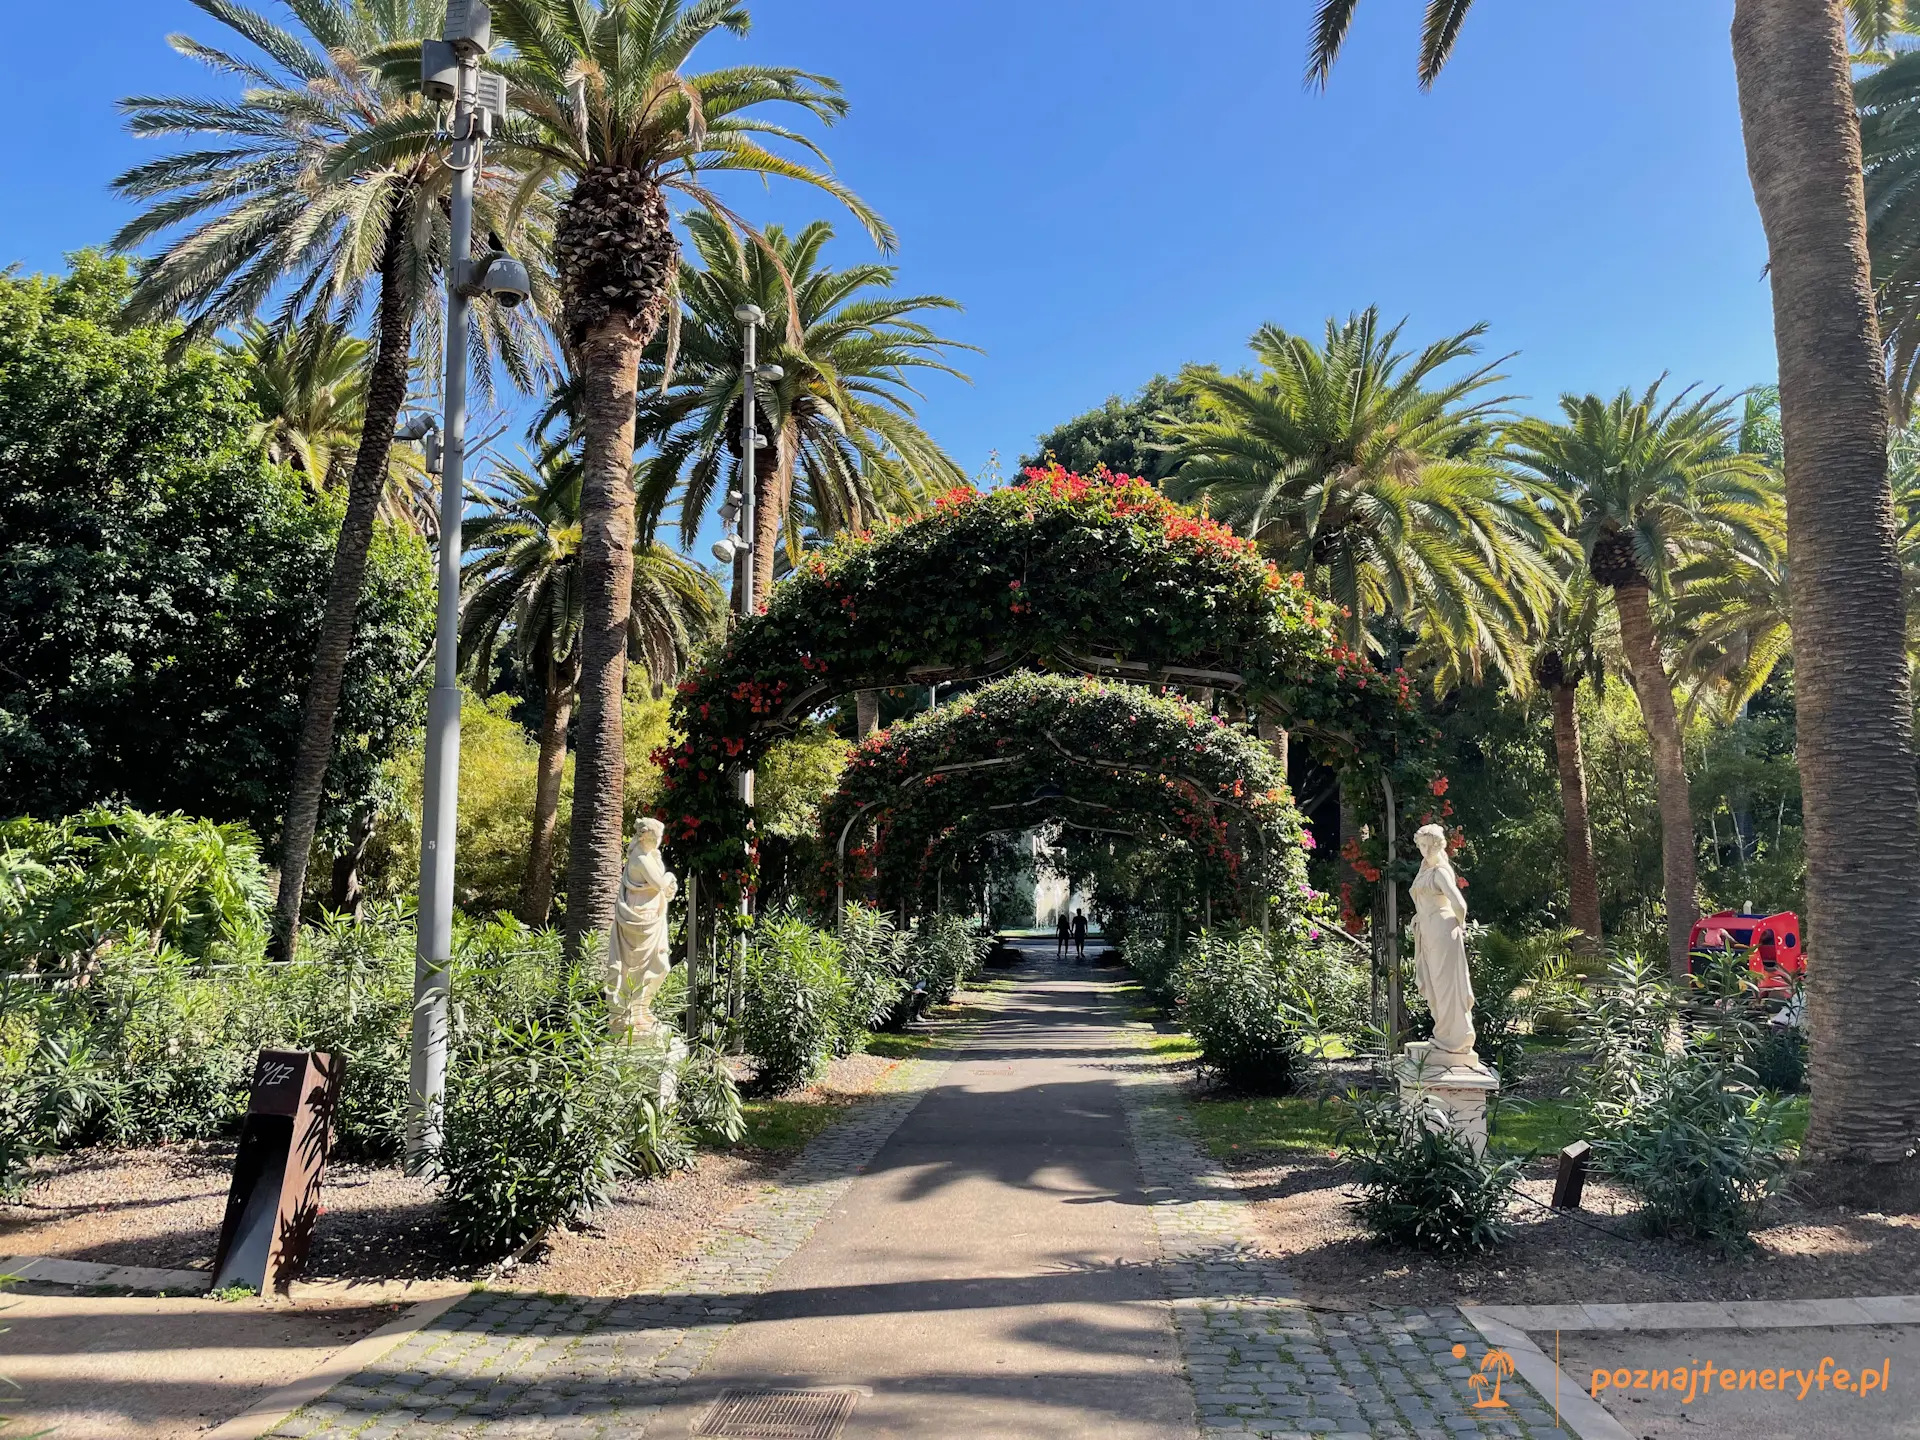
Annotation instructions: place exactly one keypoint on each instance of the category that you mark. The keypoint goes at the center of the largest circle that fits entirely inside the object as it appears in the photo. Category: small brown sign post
(1571, 1181)
(275, 1196)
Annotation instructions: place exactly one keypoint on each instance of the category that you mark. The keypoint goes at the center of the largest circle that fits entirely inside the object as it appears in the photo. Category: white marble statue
(1440, 952)
(638, 958)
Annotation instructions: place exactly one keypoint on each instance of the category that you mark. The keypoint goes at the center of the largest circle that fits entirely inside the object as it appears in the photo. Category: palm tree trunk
(1583, 881)
(866, 712)
(536, 889)
(1851, 682)
(609, 361)
(1655, 693)
(769, 513)
(386, 394)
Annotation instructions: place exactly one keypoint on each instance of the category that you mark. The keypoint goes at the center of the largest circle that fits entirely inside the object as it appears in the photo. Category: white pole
(433, 955)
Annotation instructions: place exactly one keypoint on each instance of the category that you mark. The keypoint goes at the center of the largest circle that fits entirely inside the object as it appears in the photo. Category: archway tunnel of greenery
(1099, 575)
(917, 804)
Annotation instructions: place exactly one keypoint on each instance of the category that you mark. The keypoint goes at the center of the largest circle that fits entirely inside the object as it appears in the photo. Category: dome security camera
(505, 279)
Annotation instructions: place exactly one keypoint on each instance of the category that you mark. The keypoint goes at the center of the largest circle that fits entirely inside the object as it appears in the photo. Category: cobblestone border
(503, 1364)
(1263, 1362)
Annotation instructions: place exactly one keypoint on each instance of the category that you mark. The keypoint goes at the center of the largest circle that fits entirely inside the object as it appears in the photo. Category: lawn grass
(897, 1044)
(786, 1124)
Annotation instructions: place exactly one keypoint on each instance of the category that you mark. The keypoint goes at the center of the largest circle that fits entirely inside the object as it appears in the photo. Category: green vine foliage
(1062, 571)
(1093, 755)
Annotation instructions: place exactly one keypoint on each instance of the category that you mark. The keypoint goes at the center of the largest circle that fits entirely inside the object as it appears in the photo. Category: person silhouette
(1080, 934)
(1064, 930)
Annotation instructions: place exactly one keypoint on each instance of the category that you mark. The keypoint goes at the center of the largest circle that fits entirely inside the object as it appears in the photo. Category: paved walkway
(1021, 1240)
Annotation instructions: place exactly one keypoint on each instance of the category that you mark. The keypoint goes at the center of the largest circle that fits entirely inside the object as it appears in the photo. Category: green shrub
(1623, 1023)
(796, 1006)
(543, 1118)
(1236, 1003)
(874, 959)
(946, 952)
(1780, 1061)
(708, 1102)
(1421, 1184)
(1696, 1145)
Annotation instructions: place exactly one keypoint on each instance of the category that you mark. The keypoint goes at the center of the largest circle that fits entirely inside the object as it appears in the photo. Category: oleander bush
(545, 1114)
(874, 960)
(1422, 1185)
(946, 952)
(796, 1011)
(1236, 1001)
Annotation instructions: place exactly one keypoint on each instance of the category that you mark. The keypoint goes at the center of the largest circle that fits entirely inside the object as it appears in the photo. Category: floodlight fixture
(730, 510)
(749, 314)
(439, 70)
(469, 27)
(417, 428)
(725, 548)
(772, 374)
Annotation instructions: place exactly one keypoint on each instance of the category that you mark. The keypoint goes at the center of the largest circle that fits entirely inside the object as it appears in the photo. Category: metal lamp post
(450, 70)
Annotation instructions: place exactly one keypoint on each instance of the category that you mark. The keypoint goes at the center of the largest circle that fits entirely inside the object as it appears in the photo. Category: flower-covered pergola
(1099, 756)
(1101, 575)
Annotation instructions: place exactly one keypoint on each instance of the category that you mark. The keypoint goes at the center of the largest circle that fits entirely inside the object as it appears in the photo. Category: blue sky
(1113, 187)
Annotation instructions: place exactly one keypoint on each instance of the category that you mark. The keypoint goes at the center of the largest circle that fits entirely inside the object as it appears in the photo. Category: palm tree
(1364, 468)
(610, 108)
(1644, 484)
(522, 585)
(1853, 690)
(322, 186)
(846, 446)
(1567, 654)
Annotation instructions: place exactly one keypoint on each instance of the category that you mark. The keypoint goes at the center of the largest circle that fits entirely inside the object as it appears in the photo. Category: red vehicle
(1772, 943)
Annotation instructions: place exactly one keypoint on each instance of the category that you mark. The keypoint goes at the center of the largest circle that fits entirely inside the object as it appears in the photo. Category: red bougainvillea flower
(1439, 786)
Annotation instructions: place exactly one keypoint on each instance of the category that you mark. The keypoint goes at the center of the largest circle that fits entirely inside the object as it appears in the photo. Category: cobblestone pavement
(504, 1364)
(1263, 1362)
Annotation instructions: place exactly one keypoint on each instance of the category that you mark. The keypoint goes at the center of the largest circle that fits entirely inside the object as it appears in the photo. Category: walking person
(1064, 929)
(1079, 936)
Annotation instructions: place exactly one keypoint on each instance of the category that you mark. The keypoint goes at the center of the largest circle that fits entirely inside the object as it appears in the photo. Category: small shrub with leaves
(1422, 1185)
(796, 1008)
(1237, 1004)
(946, 952)
(1780, 1060)
(1623, 1024)
(873, 958)
(545, 1114)
(1699, 1147)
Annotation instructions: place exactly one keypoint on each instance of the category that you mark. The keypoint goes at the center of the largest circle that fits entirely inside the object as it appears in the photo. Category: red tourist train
(1772, 942)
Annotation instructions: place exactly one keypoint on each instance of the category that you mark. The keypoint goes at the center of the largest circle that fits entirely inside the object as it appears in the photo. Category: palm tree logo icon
(1495, 1366)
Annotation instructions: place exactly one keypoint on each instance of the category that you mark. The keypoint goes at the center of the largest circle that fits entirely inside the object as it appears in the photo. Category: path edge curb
(265, 1414)
(1579, 1413)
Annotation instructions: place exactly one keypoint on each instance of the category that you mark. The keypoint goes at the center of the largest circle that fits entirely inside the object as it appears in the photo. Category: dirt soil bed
(1301, 1199)
(162, 1207)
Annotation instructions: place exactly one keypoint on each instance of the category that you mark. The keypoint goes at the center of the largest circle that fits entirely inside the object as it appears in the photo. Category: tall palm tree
(321, 187)
(847, 448)
(610, 108)
(1368, 470)
(1644, 484)
(1568, 654)
(1853, 690)
(522, 586)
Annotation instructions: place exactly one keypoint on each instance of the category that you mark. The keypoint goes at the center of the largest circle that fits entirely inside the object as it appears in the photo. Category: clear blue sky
(1114, 187)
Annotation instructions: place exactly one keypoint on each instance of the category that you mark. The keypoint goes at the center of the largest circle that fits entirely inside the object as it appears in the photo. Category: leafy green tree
(1126, 436)
(1647, 485)
(523, 589)
(1793, 65)
(1368, 470)
(161, 584)
(846, 447)
(324, 189)
(611, 109)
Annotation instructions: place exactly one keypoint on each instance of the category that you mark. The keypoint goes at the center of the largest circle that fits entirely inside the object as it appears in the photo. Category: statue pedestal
(665, 1048)
(1462, 1091)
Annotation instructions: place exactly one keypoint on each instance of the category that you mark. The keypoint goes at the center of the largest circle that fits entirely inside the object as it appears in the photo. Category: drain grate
(779, 1414)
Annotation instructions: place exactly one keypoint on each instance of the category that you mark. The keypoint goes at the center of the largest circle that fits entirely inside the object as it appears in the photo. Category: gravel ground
(1804, 1252)
(162, 1207)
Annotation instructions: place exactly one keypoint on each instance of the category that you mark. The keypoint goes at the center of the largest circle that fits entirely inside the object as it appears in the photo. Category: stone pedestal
(666, 1049)
(1462, 1091)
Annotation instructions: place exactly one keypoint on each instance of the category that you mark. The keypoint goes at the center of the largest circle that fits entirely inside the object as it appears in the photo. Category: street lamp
(450, 70)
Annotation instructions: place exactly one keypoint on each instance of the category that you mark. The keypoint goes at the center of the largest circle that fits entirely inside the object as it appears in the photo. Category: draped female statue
(638, 957)
(1440, 952)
